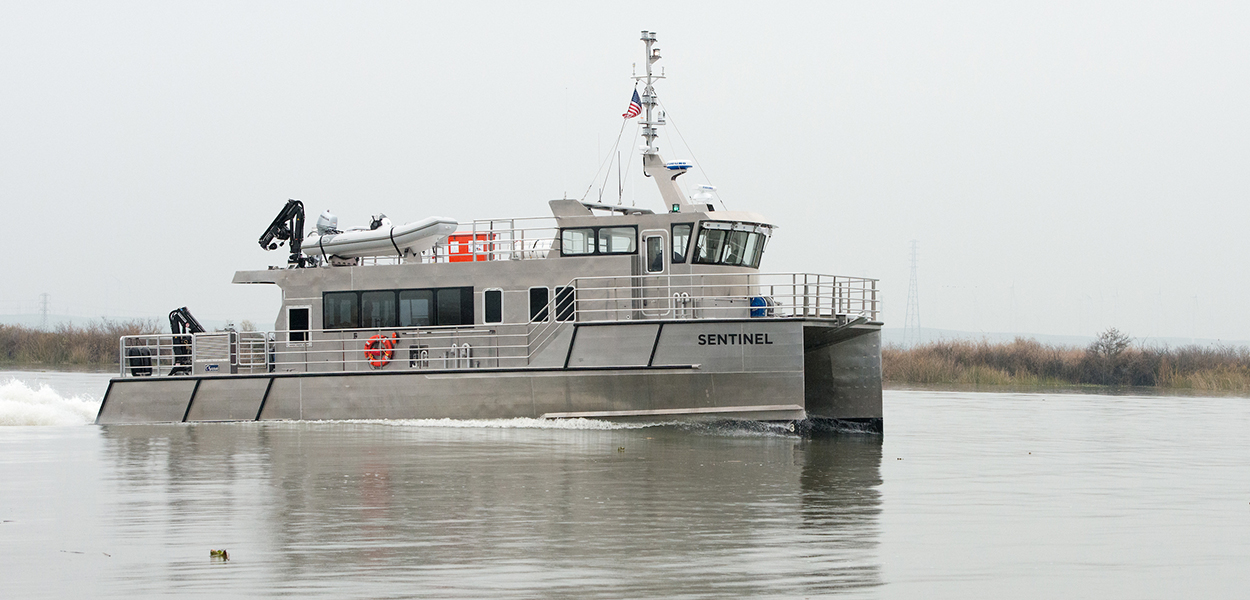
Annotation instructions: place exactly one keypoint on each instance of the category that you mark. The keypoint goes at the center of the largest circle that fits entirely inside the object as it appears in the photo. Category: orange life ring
(379, 350)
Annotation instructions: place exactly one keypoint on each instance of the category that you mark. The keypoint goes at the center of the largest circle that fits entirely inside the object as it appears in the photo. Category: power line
(43, 310)
(911, 325)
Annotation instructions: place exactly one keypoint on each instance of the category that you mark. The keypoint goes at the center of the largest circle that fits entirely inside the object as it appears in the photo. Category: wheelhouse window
(584, 241)
(733, 244)
(617, 240)
(493, 301)
(681, 242)
(377, 309)
(575, 242)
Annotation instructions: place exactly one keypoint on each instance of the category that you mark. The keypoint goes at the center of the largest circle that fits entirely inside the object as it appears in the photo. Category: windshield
(733, 244)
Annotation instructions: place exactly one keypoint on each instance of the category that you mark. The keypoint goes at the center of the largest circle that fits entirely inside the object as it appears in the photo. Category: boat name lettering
(734, 339)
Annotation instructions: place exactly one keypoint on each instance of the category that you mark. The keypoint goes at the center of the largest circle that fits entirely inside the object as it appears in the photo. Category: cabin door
(653, 283)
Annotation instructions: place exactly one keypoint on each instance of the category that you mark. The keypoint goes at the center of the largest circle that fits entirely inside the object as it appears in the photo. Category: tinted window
(577, 241)
(538, 304)
(655, 254)
(449, 307)
(617, 240)
(297, 322)
(494, 306)
(681, 242)
(565, 303)
(377, 309)
(415, 308)
(341, 310)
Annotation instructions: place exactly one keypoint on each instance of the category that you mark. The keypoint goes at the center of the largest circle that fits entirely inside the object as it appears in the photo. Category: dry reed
(1111, 360)
(93, 344)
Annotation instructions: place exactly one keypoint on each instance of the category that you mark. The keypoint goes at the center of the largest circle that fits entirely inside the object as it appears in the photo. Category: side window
(654, 248)
(577, 241)
(709, 247)
(735, 243)
(493, 299)
(341, 310)
(377, 309)
(297, 322)
(565, 303)
(415, 308)
(681, 242)
(618, 240)
(754, 250)
(538, 304)
(451, 307)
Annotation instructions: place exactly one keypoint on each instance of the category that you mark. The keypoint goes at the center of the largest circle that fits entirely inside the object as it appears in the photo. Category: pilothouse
(596, 311)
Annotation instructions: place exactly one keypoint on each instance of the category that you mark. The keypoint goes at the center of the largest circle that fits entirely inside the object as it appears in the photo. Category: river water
(967, 494)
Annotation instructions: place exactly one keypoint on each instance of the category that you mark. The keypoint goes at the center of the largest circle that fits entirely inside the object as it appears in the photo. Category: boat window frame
(305, 332)
(486, 305)
(685, 250)
(756, 238)
(326, 305)
(565, 303)
(465, 308)
(544, 308)
(648, 259)
(596, 242)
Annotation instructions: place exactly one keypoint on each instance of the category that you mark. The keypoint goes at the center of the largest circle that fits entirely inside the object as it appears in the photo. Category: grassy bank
(90, 345)
(1112, 360)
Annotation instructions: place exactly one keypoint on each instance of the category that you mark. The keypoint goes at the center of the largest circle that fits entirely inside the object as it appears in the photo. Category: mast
(652, 54)
(653, 165)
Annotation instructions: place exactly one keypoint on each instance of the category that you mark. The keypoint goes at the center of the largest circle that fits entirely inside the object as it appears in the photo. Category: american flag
(635, 107)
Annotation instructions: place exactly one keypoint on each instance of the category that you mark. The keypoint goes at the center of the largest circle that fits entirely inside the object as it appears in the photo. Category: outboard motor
(327, 224)
(379, 221)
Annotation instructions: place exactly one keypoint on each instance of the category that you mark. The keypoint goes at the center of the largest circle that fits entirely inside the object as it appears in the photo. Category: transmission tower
(911, 326)
(43, 310)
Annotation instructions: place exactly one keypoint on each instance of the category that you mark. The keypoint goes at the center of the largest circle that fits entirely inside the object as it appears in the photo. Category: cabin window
(681, 242)
(709, 246)
(414, 308)
(494, 306)
(455, 306)
(342, 310)
(297, 323)
(617, 240)
(565, 303)
(655, 254)
(732, 244)
(538, 303)
(575, 242)
(583, 241)
(377, 309)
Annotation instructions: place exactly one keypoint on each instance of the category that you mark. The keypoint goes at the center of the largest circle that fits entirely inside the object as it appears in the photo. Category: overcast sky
(1064, 167)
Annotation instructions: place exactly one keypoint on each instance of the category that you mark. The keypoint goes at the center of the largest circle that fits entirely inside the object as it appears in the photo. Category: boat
(597, 311)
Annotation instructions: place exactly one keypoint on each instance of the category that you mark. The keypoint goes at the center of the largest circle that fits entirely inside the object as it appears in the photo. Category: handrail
(634, 298)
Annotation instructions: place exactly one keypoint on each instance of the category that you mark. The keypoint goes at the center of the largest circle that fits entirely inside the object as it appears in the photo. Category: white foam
(518, 423)
(22, 405)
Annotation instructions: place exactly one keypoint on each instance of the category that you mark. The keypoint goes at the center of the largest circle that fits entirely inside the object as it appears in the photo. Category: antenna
(911, 325)
(43, 309)
(649, 132)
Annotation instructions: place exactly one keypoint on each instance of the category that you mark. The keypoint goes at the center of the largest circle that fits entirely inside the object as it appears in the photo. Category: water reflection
(364, 510)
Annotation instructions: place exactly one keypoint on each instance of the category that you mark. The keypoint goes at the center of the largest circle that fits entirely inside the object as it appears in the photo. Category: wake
(22, 405)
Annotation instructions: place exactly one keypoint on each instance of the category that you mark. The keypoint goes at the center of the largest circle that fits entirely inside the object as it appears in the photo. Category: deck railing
(507, 345)
(521, 238)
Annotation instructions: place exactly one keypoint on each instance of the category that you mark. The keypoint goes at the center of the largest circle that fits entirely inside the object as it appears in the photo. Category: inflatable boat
(409, 239)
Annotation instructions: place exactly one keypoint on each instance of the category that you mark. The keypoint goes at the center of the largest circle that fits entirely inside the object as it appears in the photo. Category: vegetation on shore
(1111, 360)
(90, 345)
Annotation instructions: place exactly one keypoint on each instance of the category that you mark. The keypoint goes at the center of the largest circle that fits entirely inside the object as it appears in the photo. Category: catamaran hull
(794, 371)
